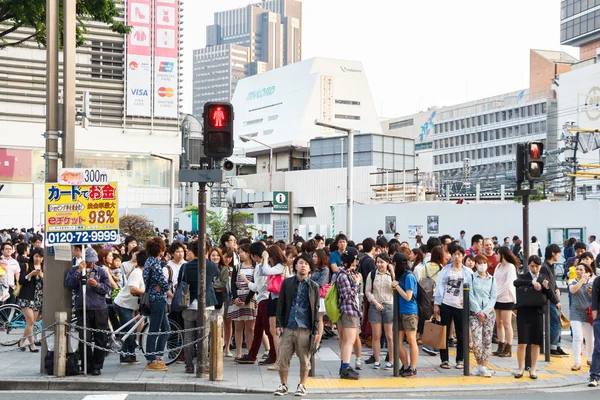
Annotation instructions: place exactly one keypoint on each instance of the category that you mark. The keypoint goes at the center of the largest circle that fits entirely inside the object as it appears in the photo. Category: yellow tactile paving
(372, 383)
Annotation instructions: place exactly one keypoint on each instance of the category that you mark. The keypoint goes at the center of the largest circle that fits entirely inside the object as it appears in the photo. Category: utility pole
(203, 344)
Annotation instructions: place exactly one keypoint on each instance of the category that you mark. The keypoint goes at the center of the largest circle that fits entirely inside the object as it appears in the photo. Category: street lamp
(171, 193)
(247, 139)
(350, 168)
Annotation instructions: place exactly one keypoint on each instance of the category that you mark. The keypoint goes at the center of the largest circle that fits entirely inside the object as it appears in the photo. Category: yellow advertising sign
(77, 214)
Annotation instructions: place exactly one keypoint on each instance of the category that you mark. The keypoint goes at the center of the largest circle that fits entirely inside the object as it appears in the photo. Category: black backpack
(424, 302)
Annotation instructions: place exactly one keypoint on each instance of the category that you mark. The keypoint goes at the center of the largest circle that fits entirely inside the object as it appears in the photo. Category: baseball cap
(91, 255)
(400, 258)
(349, 255)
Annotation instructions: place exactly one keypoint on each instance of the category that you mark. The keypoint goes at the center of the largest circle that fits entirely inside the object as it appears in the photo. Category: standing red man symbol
(218, 117)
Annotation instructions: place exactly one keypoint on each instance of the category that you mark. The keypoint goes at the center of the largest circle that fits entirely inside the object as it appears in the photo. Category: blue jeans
(555, 325)
(159, 322)
(126, 315)
(595, 368)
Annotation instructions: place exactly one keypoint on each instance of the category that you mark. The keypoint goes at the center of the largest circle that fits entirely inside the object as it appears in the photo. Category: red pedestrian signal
(218, 129)
(534, 164)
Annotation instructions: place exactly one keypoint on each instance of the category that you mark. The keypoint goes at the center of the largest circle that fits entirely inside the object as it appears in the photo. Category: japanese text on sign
(81, 214)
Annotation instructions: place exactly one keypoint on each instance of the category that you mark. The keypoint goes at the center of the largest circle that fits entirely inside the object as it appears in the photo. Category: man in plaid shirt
(348, 282)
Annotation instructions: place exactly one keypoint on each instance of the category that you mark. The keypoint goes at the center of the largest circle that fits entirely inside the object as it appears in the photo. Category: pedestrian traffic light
(520, 162)
(218, 129)
(534, 165)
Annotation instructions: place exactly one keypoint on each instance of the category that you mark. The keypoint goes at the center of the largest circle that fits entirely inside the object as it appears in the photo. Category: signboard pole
(203, 344)
(291, 216)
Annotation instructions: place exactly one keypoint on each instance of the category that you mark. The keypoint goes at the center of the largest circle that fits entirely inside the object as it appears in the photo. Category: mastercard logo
(133, 65)
(166, 92)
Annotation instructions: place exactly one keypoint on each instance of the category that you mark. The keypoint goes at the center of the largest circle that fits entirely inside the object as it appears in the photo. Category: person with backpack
(380, 296)
(482, 298)
(366, 265)
(407, 287)
(448, 303)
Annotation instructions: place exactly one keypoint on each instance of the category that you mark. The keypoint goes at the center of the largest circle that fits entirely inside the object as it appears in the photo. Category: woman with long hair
(227, 257)
(221, 286)
(320, 275)
(505, 274)
(30, 297)
(416, 258)
(581, 295)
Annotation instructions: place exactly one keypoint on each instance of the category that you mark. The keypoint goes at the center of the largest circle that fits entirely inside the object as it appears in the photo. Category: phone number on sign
(83, 237)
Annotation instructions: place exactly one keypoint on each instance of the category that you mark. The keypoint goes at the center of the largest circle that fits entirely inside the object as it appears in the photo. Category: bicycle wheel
(12, 324)
(174, 342)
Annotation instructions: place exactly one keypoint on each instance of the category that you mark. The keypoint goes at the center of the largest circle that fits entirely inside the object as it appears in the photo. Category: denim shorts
(386, 315)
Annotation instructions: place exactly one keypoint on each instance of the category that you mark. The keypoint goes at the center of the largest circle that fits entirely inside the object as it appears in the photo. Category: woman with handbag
(581, 302)
(30, 296)
(532, 295)
(505, 274)
(276, 270)
(321, 276)
(482, 298)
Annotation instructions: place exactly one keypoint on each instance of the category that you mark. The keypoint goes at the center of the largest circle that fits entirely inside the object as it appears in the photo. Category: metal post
(172, 201)
(417, 186)
(69, 82)
(547, 338)
(202, 345)
(270, 169)
(52, 25)
(525, 229)
(291, 215)
(60, 344)
(395, 333)
(447, 192)
(465, 329)
(350, 206)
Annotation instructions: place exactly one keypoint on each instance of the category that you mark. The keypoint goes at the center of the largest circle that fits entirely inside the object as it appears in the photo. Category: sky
(416, 53)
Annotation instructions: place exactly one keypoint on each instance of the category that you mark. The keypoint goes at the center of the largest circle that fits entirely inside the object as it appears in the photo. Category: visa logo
(166, 66)
(139, 92)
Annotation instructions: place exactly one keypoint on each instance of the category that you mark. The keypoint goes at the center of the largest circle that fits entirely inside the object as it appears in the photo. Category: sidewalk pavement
(20, 371)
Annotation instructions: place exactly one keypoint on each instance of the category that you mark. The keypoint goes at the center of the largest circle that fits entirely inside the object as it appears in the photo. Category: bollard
(547, 339)
(465, 328)
(60, 345)
(396, 340)
(216, 349)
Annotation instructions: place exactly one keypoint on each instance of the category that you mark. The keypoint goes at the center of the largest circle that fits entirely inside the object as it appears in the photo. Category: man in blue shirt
(335, 262)
(298, 319)
(409, 313)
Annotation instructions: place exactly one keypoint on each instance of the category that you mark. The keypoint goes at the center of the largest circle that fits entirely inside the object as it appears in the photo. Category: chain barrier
(109, 332)
(32, 336)
(124, 353)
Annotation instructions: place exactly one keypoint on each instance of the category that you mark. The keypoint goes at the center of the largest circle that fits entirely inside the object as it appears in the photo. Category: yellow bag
(2, 271)
(564, 321)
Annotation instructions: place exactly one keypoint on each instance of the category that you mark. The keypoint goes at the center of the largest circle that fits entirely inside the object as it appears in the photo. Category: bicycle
(174, 342)
(12, 325)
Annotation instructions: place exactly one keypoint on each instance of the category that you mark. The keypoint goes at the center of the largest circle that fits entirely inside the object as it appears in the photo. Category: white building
(281, 105)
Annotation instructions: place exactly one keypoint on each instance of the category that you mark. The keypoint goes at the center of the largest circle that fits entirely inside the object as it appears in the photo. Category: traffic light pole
(203, 344)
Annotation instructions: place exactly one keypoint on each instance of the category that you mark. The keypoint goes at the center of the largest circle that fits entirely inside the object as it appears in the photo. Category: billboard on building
(139, 58)
(166, 50)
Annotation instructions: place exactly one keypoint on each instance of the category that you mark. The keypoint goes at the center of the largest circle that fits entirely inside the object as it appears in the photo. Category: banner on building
(139, 58)
(166, 50)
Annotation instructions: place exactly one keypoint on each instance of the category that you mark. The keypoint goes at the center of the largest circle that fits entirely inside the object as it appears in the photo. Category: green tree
(138, 226)
(539, 196)
(16, 14)
(234, 222)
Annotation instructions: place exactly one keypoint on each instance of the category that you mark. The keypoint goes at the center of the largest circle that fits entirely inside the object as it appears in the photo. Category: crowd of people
(273, 294)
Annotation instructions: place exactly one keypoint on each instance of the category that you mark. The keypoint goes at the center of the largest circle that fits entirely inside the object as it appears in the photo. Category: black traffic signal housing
(534, 160)
(521, 162)
(218, 129)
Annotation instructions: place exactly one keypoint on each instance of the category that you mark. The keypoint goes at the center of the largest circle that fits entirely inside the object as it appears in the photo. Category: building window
(437, 128)
(468, 139)
(403, 124)
(462, 140)
(273, 117)
(485, 153)
(485, 136)
(253, 122)
(268, 132)
(485, 119)
(536, 109)
(348, 102)
(344, 116)
(544, 108)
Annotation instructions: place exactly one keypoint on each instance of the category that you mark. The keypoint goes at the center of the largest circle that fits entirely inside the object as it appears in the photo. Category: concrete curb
(69, 384)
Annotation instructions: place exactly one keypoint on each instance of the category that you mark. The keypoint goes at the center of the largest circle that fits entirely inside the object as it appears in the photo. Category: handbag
(323, 290)
(434, 334)
(564, 321)
(588, 312)
(274, 283)
(527, 296)
(145, 298)
(181, 299)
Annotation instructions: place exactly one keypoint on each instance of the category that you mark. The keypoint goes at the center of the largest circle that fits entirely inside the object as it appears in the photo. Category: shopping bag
(564, 321)
(434, 334)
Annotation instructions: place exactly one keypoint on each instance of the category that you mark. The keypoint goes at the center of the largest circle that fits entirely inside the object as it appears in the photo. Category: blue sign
(258, 94)
(427, 127)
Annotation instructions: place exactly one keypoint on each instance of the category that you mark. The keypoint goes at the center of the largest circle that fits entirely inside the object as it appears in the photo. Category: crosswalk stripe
(116, 396)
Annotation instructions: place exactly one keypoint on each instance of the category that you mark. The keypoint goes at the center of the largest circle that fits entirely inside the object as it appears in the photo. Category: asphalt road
(546, 394)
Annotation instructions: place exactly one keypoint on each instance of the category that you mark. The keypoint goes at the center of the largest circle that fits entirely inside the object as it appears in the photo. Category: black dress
(530, 320)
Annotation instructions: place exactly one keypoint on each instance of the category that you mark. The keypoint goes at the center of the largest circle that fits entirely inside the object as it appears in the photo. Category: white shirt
(12, 268)
(453, 295)
(125, 299)
(594, 248)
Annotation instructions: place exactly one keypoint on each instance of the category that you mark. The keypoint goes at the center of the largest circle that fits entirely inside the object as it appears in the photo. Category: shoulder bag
(145, 298)
(527, 296)
(181, 300)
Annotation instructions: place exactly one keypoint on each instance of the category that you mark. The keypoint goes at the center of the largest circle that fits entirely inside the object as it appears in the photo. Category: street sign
(81, 214)
(82, 176)
(280, 201)
(281, 229)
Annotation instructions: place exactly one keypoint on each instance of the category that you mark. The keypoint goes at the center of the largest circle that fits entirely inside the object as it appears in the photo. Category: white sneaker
(389, 366)
(359, 363)
(483, 371)
(376, 365)
(477, 371)
(301, 390)
(282, 390)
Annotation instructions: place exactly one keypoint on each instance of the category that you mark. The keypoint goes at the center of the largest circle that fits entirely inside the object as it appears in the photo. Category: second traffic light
(218, 129)
(534, 162)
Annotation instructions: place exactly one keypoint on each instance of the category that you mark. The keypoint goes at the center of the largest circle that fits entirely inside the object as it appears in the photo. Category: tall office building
(580, 26)
(243, 42)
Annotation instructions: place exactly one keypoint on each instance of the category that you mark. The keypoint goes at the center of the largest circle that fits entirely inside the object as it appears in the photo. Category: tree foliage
(539, 196)
(138, 226)
(16, 14)
(234, 222)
